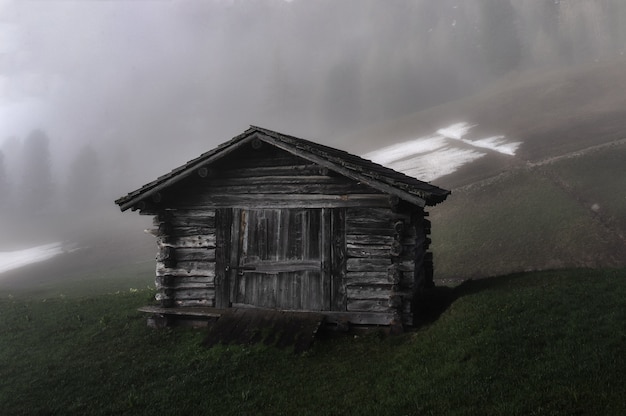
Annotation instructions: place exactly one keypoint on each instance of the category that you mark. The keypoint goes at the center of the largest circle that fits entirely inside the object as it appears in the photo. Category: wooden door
(279, 258)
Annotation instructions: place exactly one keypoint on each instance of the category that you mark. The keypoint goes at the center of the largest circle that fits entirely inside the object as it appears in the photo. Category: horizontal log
(369, 306)
(278, 188)
(370, 239)
(200, 294)
(368, 278)
(365, 221)
(369, 292)
(280, 180)
(194, 254)
(191, 286)
(189, 303)
(173, 282)
(379, 214)
(198, 241)
(286, 201)
(362, 250)
(191, 231)
(186, 269)
(367, 265)
(269, 171)
(383, 230)
(173, 214)
(259, 159)
(195, 221)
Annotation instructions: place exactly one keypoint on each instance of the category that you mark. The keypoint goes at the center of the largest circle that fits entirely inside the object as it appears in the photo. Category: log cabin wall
(185, 271)
(378, 245)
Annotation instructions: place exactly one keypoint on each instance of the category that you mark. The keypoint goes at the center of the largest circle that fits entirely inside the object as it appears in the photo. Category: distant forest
(31, 187)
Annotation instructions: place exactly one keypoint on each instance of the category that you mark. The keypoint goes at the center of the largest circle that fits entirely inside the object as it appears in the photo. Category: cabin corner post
(406, 260)
(165, 258)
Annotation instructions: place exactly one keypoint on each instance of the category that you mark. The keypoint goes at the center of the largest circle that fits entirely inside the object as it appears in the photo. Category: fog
(142, 86)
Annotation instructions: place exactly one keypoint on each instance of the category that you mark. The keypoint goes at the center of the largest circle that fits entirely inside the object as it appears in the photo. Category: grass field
(536, 219)
(549, 343)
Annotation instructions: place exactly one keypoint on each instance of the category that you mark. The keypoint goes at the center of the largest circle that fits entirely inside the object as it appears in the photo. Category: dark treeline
(31, 187)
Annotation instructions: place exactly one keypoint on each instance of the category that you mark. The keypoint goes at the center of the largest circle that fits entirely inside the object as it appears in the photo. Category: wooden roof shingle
(354, 167)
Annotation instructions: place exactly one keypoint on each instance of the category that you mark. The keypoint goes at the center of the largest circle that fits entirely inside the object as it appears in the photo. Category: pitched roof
(354, 167)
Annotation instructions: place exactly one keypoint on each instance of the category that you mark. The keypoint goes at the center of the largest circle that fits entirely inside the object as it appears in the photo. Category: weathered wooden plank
(282, 188)
(265, 180)
(269, 171)
(265, 158)
(200, 294)
(187, 303)
(183, 269)
(368, 278)
(197, 241)
(383, 241)
(180, 231)
(174, 282)
(194, 254)
(296, 200)
(369, 306)
(193, 221)
(383, 230)
(369, 292)
(381, 214)
(367, 264)
(362, 250)
(170, 213)
(372, 221)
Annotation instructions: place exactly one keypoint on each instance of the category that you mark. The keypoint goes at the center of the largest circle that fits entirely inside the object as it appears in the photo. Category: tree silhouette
(84, 181)
(36, 191)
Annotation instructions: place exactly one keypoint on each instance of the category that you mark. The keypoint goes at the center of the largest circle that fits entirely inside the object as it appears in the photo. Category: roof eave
(129, 201)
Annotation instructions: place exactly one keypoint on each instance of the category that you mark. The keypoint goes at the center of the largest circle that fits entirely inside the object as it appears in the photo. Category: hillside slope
(559, 201)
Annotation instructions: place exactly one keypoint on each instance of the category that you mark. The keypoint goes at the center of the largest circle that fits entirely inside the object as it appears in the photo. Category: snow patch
(428, 167)
(390, 154)
(431, 157)
(456, 130)
(10, 260)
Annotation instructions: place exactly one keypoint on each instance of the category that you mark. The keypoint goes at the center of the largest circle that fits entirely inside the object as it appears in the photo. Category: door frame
(333, 261)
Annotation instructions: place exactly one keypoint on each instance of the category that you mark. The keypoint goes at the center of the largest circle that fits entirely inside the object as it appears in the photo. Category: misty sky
(164, 80)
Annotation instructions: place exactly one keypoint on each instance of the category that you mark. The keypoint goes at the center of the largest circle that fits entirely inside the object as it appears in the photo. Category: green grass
(536, 219)
(551, 343)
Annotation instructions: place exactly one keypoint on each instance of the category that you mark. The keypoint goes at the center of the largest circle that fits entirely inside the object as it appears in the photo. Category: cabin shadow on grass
(433, 302)
(284, 329)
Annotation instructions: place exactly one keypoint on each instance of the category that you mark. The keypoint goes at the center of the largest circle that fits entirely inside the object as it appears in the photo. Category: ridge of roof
(340, 161)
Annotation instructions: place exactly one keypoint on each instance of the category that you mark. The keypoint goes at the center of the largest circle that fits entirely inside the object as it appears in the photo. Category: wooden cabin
(268, 220)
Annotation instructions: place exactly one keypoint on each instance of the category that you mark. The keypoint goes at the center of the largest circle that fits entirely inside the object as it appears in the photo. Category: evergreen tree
(84, 181)
(499, 36)
(36, 191)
